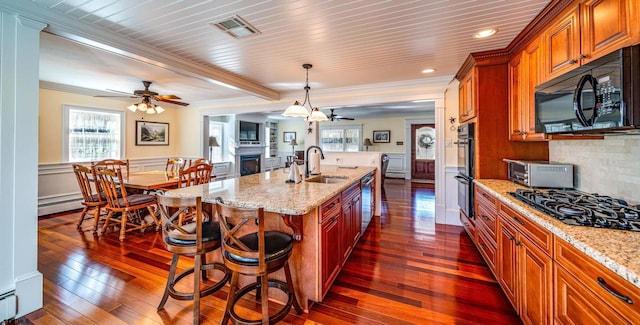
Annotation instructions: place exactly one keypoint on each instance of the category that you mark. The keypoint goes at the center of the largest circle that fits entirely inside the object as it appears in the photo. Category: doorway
(423, 153)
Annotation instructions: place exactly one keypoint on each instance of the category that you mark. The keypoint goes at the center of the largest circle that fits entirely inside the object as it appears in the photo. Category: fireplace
(249, 164)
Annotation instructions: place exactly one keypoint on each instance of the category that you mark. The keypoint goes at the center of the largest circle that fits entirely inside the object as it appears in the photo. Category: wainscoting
(58, 189)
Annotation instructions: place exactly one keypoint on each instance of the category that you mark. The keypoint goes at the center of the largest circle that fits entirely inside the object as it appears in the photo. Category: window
(216, 130)
(92, 134)
(341, 138)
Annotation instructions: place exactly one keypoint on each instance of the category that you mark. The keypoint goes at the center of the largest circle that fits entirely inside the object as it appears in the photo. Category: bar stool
(255, 254)
(193, 239)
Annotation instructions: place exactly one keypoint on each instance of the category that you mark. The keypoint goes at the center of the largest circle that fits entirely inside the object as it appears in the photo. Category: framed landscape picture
(152, 133)
(381, 136)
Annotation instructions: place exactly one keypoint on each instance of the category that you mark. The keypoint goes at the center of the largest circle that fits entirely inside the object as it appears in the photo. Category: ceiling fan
(147, 94)
(333, 117)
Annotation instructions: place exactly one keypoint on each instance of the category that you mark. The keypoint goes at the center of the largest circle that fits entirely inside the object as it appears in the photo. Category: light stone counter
(269, 190)
(615, 249)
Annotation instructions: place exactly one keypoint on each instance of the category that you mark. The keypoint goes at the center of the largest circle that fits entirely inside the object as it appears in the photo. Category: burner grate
(578, 208)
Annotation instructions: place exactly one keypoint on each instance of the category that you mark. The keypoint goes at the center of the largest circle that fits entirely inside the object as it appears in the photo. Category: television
(249, 131)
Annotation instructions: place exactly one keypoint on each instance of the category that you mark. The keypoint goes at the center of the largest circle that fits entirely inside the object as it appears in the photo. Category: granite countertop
(269, 190)
(615, 249)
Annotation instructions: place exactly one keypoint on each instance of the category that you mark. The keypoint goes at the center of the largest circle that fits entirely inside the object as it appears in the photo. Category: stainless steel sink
(327, 179)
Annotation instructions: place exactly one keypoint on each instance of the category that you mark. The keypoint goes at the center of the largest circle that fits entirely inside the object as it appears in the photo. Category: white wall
(607, 167)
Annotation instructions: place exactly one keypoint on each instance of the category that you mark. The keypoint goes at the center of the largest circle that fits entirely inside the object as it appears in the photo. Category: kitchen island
(292, 208)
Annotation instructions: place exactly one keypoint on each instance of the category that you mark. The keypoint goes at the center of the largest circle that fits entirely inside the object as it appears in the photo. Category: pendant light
(298, 110)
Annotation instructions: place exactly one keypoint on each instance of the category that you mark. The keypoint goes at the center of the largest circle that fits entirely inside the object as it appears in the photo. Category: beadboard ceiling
(99, 46)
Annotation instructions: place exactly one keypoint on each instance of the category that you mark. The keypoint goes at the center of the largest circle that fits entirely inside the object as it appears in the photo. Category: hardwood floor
(405, 270)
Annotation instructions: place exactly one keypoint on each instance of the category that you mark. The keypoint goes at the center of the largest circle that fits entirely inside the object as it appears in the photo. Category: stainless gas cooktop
(578, 208)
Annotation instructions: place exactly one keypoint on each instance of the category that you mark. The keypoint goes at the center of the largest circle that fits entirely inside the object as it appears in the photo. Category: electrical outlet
(448, 143)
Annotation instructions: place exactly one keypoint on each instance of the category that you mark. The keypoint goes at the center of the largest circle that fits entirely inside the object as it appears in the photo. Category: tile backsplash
(608, 167)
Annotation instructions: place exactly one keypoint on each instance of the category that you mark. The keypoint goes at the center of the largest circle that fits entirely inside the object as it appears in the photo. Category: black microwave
(600, 96)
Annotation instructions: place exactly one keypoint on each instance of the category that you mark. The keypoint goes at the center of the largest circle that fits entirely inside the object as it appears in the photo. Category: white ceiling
(95, 46)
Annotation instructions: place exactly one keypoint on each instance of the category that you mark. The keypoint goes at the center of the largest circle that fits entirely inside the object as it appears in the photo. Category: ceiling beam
(93, 36)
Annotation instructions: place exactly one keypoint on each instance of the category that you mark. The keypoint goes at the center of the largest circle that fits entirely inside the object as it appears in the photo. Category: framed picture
(152, 133)
(288, 136)
(381, 136)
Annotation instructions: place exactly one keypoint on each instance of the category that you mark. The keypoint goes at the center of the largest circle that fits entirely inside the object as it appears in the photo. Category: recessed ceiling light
(429, 70)
(485, 33)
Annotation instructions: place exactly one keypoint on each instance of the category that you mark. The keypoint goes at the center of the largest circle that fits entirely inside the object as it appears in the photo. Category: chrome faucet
(306, 159)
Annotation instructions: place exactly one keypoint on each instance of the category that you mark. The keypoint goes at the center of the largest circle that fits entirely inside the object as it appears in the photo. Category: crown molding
(93, 36)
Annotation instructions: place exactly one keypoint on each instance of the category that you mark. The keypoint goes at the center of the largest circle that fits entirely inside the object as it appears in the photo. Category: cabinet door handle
(518, 221)
(574, 61)
(484, 217)
(582, 56)
(604, 285)
(511, 237)
(518, 243)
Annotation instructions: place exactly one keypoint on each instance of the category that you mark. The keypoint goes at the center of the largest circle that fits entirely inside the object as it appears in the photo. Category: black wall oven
(465, 168)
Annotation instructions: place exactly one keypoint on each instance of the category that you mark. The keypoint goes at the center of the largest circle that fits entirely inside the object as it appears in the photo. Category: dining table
(151, 180)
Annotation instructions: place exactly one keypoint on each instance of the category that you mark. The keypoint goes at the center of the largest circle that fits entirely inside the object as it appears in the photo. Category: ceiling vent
(237, 27)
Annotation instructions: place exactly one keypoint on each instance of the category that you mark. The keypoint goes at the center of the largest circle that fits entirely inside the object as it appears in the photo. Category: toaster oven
(543, 174)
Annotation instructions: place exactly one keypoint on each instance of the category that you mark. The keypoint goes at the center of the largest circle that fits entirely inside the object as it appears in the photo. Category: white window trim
(65, 127)
(343, 127)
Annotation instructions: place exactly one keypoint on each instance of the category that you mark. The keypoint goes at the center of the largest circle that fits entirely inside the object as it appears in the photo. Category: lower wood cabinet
(340, 229)
(331, 238)
(524, 270)
(588, 293)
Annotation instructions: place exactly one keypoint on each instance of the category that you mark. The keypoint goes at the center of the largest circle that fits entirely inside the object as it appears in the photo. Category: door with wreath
(423, 152)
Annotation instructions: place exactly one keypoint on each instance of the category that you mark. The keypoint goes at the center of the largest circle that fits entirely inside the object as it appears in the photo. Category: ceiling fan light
(142, 107)
(133, 107)
(159, 109)
(151, 110)
(316, 116)
(296, 110)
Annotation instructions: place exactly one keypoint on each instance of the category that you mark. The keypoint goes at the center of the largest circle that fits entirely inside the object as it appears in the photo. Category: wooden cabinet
(466, 97)
(352, 219)
(524, 76)
(587, 30)
(486, 223)
(331, 238)
(589, 293)
(469, 225)
(525, 266)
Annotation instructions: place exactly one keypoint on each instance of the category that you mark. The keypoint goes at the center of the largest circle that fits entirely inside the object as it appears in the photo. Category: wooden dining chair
(195, 240)
(114, 164)
(93, 197)
(174, 166)
(196, 174)
(119, 202)
(254, 254)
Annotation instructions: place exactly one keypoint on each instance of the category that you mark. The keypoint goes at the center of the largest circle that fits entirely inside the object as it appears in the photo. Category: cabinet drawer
(484, 198)
(488, 250)
(575, 304)
(329, 208)
(350, 192)
(619, 294)
(487, 221)
(535, 233)
(469, 225)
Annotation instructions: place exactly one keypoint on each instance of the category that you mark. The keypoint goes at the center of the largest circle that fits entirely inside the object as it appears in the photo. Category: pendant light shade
(298, 110)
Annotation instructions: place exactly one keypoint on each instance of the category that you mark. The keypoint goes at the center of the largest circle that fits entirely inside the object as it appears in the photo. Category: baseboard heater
(8, 306)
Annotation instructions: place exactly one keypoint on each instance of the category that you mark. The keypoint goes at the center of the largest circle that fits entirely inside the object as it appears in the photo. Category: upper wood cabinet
(466, 93)
(524, 75)
(586, 31)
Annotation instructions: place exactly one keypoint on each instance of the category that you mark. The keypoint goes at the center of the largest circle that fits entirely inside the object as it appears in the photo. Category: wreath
(425, 141)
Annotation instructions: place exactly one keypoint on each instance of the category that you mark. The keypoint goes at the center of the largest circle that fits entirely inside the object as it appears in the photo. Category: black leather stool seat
(210, 232)
(278, 245)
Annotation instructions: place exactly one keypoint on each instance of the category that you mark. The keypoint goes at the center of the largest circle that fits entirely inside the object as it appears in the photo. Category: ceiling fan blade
(159, 97)
(344, 118)
(116, 96)
(120, 92)
(172, 101)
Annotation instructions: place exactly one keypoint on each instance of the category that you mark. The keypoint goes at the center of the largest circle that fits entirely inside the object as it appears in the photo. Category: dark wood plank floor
(405, 270)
